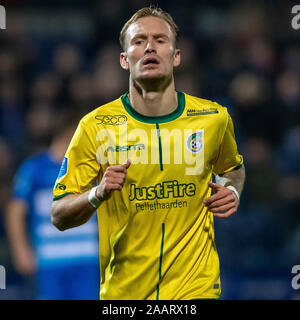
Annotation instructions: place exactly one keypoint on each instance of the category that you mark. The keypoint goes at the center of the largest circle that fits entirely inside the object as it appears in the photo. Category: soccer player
(152, 153)
(65, 265)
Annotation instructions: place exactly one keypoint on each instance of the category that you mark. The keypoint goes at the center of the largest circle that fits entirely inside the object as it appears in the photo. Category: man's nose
(150, 47)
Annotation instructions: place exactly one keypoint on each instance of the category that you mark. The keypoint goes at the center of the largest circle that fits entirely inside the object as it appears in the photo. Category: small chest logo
(195, 141)
(113, 120)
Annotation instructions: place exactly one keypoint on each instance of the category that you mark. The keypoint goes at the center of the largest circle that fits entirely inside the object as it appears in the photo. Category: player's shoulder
(103, 112)
(35, 158)
(200, 106)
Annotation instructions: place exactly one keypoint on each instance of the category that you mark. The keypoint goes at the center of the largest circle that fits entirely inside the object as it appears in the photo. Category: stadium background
(58, 55)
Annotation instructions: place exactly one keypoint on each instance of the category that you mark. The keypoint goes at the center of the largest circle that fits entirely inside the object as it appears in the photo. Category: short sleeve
(79, 169)
(228, 157)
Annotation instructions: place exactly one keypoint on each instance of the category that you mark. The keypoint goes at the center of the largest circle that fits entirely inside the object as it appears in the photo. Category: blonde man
(152, 153)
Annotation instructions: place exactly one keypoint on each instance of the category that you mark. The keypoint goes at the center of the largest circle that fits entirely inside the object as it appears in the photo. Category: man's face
(150, 50)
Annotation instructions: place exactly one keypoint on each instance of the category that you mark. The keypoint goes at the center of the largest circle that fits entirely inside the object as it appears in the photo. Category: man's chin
(153, 77)
(153, 80)
(152, 74)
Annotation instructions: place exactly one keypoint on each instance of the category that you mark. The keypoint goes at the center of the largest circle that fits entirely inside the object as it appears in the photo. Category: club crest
(195, 141)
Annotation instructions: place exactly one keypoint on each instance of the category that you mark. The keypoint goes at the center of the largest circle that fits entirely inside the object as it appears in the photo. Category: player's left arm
(224, 202)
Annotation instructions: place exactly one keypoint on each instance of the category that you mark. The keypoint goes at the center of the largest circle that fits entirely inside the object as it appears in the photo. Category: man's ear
(124, 61)
(177, 58)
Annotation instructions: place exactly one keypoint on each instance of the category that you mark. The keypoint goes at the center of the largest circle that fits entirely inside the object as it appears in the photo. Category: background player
(65, 264)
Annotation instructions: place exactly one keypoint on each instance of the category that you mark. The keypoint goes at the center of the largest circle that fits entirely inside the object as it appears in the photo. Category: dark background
(64, 55)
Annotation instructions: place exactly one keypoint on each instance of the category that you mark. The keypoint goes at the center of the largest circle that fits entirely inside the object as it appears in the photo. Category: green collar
(159, 119)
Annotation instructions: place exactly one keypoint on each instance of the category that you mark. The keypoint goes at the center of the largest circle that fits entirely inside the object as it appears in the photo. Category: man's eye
(139, 42)
(160, 41)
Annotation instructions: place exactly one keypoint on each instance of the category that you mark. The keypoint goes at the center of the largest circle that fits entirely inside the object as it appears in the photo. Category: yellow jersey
(156, 237)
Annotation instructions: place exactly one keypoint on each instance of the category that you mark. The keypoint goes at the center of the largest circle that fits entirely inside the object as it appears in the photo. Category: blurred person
(107, 55)
(108, 77)
(45, 89)
(81, 92)
(287, 92)
(228, 58)
(288, 89)
(289, 192)
(250, 21)
(291, 58)
(18, 50)
(250, 90)
(8, 64)
(189, 59)
(65, 265)
(260, 55)
(226, 63)
(40, 121)
(12, 112)
(67, 60)
(261, 172)
(7, 166)
(109, 14)
(108, 83)
(186, 79)
(187, 83)
(289, 151)
(155, 215)
(255, 109)
(7, 159)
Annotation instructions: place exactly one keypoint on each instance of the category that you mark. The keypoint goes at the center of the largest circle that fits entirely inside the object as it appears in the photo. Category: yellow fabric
(156, 237)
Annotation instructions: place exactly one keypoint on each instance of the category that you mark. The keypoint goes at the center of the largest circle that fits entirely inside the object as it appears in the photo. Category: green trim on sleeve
(61, 196)
(233, 169)
(237, 167)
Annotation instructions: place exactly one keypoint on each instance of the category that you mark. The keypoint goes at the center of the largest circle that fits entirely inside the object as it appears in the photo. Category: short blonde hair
(149, 12)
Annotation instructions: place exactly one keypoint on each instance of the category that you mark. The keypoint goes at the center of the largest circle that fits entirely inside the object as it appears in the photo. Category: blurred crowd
(242, 54)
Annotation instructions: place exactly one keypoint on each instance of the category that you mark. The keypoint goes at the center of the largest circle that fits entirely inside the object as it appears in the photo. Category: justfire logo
(2, 18)
(2, 278)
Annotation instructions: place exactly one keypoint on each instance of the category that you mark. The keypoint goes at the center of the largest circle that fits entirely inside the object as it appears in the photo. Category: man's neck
(153, 103)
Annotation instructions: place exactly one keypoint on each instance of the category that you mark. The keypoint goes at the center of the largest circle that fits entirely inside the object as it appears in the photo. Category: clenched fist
(223, 203)
(113, 179)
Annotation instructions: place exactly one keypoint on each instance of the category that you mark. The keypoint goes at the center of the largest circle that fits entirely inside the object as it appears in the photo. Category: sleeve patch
(64, 168)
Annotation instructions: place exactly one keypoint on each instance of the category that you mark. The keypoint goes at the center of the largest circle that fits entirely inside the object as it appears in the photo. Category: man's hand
(223, 203)
(113, 179)
(24, 260)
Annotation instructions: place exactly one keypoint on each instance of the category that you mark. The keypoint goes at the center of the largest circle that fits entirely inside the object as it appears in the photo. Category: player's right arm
(74, 210)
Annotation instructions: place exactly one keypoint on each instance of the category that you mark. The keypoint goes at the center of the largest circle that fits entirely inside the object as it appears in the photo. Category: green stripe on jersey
(159, 147)
(160, 258)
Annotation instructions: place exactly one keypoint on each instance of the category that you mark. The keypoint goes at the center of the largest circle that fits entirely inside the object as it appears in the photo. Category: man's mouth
(150, 61)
